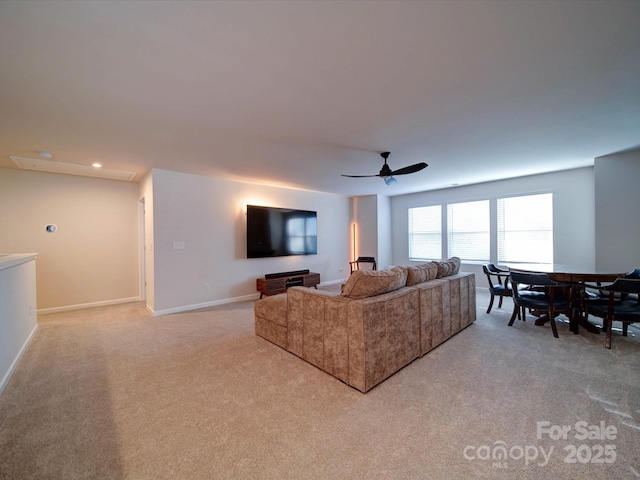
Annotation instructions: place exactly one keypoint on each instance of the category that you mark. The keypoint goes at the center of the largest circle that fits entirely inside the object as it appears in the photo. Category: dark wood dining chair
(537, 292)
(498, 279)
(622, 305)
(355, 265)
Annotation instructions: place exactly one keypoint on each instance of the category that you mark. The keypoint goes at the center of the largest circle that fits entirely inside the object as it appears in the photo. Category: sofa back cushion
(421, 273)
(367, 283)
(448, 267)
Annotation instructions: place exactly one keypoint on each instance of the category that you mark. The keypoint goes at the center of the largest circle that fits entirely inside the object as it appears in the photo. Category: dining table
(575, 278)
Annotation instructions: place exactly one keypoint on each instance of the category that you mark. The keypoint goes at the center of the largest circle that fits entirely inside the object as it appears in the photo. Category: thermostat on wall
(51, 228)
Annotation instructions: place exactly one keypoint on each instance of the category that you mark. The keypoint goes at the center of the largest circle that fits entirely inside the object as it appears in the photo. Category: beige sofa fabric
(367, 283)
(363, 341)
(448, 267)
(384, 336)
(317, 329)
(421, 273)
(435, 314)
(271, 319)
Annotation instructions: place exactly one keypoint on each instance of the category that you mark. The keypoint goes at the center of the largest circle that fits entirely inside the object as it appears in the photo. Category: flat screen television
(277, 232)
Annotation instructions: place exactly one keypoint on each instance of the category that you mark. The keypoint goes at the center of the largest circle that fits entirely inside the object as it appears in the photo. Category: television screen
(276, 232)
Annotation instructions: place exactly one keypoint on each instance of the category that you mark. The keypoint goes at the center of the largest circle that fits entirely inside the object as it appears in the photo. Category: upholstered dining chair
(355, 265)
(622, 305)
(498, 279)
(537, 292)
(634, 274)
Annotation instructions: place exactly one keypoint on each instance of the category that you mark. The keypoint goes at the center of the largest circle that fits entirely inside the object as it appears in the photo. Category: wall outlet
(178, 245)
(207, 286)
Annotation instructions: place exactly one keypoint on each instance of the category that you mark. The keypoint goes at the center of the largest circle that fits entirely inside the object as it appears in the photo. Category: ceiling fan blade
(359, 176)
(387, 173)
(410, 169)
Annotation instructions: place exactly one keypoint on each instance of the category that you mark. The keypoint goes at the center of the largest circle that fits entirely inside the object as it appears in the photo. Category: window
(425, 233)
(468, 226)
(525, 229)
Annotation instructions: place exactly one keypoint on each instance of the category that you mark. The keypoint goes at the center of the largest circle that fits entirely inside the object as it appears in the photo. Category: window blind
(425, 233)
(468, 226)
(525, 229)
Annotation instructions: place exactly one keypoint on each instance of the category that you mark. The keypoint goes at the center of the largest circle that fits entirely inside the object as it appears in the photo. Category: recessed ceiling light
(96, 164)
(45, 154)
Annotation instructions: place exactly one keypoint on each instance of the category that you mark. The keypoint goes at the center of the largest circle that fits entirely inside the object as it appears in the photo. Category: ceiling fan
(387, 174)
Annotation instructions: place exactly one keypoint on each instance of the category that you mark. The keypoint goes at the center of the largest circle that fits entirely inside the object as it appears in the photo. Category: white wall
(371, 215)
(208, 215)
(92, 258)
(617, 206)
(573, 212)
(384, 232)
(17, 311)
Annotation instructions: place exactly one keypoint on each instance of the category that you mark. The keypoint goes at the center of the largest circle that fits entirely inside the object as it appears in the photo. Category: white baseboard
(186, 308)
(14, 364)
(90, 305)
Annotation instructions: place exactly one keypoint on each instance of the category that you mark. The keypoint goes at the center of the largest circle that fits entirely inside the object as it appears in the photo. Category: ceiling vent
(71, 169)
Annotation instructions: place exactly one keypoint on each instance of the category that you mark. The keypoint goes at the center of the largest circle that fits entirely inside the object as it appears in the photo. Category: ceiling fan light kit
(387, 174)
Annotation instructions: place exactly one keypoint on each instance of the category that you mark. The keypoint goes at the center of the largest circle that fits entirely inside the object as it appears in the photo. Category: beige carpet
(113, 393)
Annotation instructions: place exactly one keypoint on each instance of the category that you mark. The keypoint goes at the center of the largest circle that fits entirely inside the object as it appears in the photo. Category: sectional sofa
(380, 322)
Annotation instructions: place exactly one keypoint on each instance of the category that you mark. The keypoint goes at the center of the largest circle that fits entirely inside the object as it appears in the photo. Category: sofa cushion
(402, 279)
(448, 267)
(271, 319)
(421, 273)
(455, 263)
(443, 269)
(272, 308)
(367, 283)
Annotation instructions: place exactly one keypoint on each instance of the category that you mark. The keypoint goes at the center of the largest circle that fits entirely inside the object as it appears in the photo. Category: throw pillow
(443, 269)
(367, 283)
(421, 273)
(455, 263)
(402, 278)
(448, 267)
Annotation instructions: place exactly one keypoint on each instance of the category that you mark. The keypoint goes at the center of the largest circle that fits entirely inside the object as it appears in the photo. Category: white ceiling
(296, 93)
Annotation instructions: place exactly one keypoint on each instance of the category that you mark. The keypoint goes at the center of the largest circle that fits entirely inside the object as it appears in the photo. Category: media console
(275, 283)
